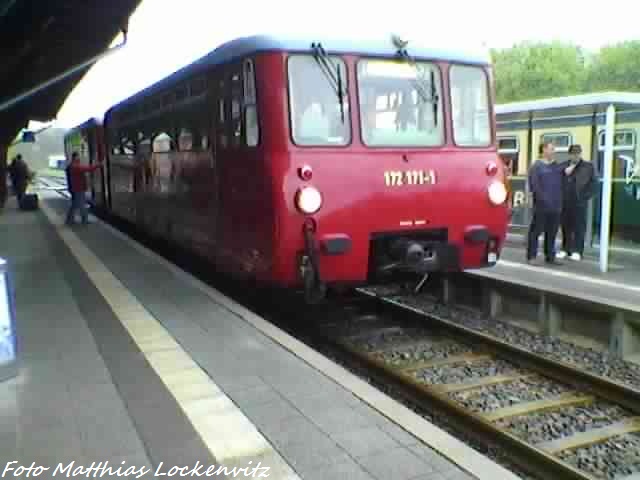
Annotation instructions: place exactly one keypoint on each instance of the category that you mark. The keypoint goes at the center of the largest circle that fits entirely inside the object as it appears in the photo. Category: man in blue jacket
(546, 178)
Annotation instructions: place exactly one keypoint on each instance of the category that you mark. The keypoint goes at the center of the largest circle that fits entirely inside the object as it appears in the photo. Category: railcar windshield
(400, 103)
(470, 106)
(316, 116)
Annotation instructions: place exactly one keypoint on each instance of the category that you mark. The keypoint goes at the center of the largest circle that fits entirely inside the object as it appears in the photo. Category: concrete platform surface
(620, 287)
(125, 358)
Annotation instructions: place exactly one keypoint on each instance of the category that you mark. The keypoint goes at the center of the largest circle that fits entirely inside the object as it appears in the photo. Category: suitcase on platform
(29, 202)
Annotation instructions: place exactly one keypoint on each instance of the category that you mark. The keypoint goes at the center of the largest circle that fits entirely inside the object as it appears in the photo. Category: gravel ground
(464, 372)
(494, 453)
(425, 351)
(380, 340)
(355, 327)
(492, 397)
(599, 363)
(547, 426)
(613, 459)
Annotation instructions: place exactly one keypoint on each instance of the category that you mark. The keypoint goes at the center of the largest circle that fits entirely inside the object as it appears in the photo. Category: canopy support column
(607, 185)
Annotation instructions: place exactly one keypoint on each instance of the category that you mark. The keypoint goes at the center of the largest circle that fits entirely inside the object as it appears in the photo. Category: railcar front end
(392, 169)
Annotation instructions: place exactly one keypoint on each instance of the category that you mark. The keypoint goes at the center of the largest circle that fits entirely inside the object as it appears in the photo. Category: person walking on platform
(579, 188)
(545, 183)
(77, 184)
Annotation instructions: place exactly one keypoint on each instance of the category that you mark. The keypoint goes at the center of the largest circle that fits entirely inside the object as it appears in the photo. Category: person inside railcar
(579, 188)
(546, 178)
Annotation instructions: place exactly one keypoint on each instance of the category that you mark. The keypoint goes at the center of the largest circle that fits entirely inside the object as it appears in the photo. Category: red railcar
(88, 140)
(315, 164)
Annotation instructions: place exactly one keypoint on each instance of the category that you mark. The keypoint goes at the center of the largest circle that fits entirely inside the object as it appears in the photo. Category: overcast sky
(165, 35)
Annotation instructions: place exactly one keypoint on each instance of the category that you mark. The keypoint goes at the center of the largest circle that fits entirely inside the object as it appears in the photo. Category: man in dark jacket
(545, 183)
(20, 174)
(77, 184)
(579, 188)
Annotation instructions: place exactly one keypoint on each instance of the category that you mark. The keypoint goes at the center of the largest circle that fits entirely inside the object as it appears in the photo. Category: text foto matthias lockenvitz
(102, 469)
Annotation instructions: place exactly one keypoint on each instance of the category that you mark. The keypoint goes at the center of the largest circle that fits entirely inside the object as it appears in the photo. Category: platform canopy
(575, 105)
(39, 39)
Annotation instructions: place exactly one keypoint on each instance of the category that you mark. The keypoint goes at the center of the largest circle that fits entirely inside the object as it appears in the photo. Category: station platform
(129, 360)
(619, 287)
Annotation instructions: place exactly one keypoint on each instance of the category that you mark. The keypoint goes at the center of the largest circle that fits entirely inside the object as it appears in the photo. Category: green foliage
(617, 67)
(529, 71)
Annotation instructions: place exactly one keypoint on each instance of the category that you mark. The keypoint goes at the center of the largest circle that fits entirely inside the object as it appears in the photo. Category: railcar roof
(241, 47)
(90, 122)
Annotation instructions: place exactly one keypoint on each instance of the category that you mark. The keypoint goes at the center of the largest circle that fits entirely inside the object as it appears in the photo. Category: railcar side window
(509, 148)
(185, 140)
(252, 130)
(622, 140)
(561, 141)
(237, 96)
(400, 104)
(470, 106)
(162, 143)
(316, 116)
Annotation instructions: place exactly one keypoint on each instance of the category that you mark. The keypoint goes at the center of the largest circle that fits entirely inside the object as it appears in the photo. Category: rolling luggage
(29, 202)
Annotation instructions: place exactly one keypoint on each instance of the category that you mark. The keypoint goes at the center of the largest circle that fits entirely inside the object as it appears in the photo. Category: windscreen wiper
(419, 83)
(332, 72)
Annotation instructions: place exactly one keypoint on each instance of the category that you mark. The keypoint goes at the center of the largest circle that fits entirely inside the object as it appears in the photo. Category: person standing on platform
(78, 187)
(545, 182)
(20, 176)
(579, 188)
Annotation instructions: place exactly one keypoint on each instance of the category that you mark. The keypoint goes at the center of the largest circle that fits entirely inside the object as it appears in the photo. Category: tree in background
(529, 71)
(616, 67)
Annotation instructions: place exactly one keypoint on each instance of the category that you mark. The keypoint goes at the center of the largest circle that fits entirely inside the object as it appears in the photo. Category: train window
(162, 143)
(252, 130)
(509, 149)
(185, 140)
(560, 141)
(317, 118)
(249, 83)
(470, 106)
(221, 110)
(251, 122)
(237, 97)
(128, 147)
(622, 140)
(400, 104)
(144, 147)
(508, 145)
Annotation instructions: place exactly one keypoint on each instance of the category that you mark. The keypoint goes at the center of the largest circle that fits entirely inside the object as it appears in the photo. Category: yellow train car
(580, 119)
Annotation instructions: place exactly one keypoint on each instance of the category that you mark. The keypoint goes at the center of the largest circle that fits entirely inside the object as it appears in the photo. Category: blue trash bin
(8, 337)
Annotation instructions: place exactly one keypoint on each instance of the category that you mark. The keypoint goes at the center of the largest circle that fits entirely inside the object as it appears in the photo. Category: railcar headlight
(497, 193)
(308, 200)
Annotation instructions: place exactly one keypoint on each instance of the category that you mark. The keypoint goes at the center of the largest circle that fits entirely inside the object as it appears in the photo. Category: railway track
(551, 419)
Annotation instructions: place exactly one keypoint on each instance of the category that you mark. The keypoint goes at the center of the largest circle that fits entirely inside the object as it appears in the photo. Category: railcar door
(241, 170)
(98, 177)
